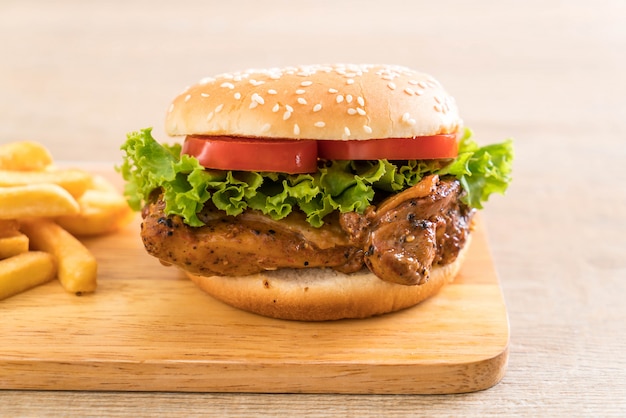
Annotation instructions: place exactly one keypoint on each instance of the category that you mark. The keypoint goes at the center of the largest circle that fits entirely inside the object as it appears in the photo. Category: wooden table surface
(77, 76)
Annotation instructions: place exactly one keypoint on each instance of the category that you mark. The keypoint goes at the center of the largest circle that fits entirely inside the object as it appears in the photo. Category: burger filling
(399, 240)
(397, 218)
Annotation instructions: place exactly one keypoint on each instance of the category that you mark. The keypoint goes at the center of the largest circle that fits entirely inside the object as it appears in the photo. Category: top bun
(323, 102)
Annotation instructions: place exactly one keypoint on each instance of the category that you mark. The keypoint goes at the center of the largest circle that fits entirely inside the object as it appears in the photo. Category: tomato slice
(250, 154)
(419, 148)
(300, 156)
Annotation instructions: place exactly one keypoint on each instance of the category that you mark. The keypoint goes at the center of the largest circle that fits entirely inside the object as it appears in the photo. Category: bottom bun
(323, 294)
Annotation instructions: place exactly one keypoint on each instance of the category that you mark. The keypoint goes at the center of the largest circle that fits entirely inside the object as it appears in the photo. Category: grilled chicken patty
(399, 240)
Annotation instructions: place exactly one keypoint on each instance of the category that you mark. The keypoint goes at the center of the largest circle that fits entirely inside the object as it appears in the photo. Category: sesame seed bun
(323, 102)
(324, 294)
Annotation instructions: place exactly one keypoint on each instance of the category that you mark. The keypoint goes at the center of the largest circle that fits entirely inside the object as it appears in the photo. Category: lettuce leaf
(481, 171)
(337, 185)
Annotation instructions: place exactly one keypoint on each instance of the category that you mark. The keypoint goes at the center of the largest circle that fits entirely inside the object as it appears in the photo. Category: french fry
(42, 208)
(25, 271)
(36, 200)
(24, 155)
(101, 212)
(9, 227)
(77, 267)
(75, 181)
(10, 246)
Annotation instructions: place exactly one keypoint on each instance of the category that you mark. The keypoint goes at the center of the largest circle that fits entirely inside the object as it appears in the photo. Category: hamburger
(316, 192)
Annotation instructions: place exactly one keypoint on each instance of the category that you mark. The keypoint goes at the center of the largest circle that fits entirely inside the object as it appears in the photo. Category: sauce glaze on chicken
(399, 240)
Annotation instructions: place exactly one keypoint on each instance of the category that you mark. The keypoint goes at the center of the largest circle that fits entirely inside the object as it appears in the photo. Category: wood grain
(148, 328)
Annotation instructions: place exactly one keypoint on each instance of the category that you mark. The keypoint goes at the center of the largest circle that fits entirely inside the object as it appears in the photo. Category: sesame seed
(346, 130)
(360, 101)
(256, 83)
(253, 104)
(289, 108)
(228, 85)
(331, 90)
(276, 108)
(419, 92)
(437, 99)
(272, 91)
(286, 115)
(296, 129)
(391, 85)
(339, 98)
(300, 91)
(317, 107)
(302, 100)
(319, 124)
(256, 98)
(204, 94)
(237, 95)
(406, 118)
(413, 82)
(266, 127)
(349, 98)
(171, 108)
(306, 83)
(350, 81)
(422, 84)
(206, 80)
(187, 97)
(351, 111)
(219, 108)
(209, 116)
(275, 76)
(367, 129)
(360, 111)
(409, 91)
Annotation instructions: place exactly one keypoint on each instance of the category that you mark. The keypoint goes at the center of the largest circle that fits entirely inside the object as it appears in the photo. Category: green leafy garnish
(481, 171)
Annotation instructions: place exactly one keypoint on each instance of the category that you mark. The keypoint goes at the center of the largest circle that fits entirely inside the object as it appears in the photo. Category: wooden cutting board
(147, 328)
